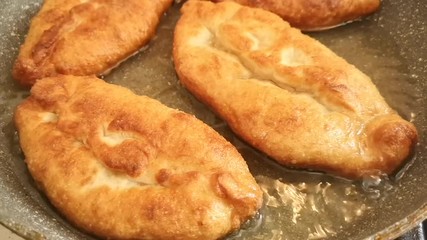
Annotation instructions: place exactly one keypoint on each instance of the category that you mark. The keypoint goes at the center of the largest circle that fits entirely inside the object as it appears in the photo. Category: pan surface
(389, 46)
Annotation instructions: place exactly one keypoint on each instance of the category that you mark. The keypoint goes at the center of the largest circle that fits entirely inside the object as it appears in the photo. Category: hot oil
(307, 205)
(152, 73)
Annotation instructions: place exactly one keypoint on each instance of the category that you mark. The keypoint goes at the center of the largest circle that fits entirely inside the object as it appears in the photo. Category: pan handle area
(418, 233)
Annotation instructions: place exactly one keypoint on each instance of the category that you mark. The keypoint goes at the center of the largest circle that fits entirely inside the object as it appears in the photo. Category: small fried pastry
(122, 166)
(287, 94)
(315, 15)
(85, 37)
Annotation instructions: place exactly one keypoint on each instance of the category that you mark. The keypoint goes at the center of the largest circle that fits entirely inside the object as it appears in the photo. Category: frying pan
(390, 46)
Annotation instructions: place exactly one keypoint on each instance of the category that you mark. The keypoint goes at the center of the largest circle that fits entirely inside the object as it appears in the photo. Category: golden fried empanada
(123, 166)
(287, 94)
(85, 37)
(315, 14)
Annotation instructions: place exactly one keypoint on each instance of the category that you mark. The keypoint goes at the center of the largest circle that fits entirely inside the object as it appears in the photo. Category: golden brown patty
(84, 37)
(287, 94)
(315, 14)
(123, 166)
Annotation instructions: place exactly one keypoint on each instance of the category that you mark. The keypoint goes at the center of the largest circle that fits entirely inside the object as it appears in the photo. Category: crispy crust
(315, 15)
(85, 37)
(123, 166)
(287, 94)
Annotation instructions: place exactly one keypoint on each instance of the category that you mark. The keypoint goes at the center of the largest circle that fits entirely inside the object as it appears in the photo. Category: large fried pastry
(287, 94)
(315, 14)
(85, 37)
(123, 166)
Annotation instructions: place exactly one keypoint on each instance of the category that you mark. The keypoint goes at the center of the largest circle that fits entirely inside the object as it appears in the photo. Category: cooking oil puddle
(311, 209)
(301, 205)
